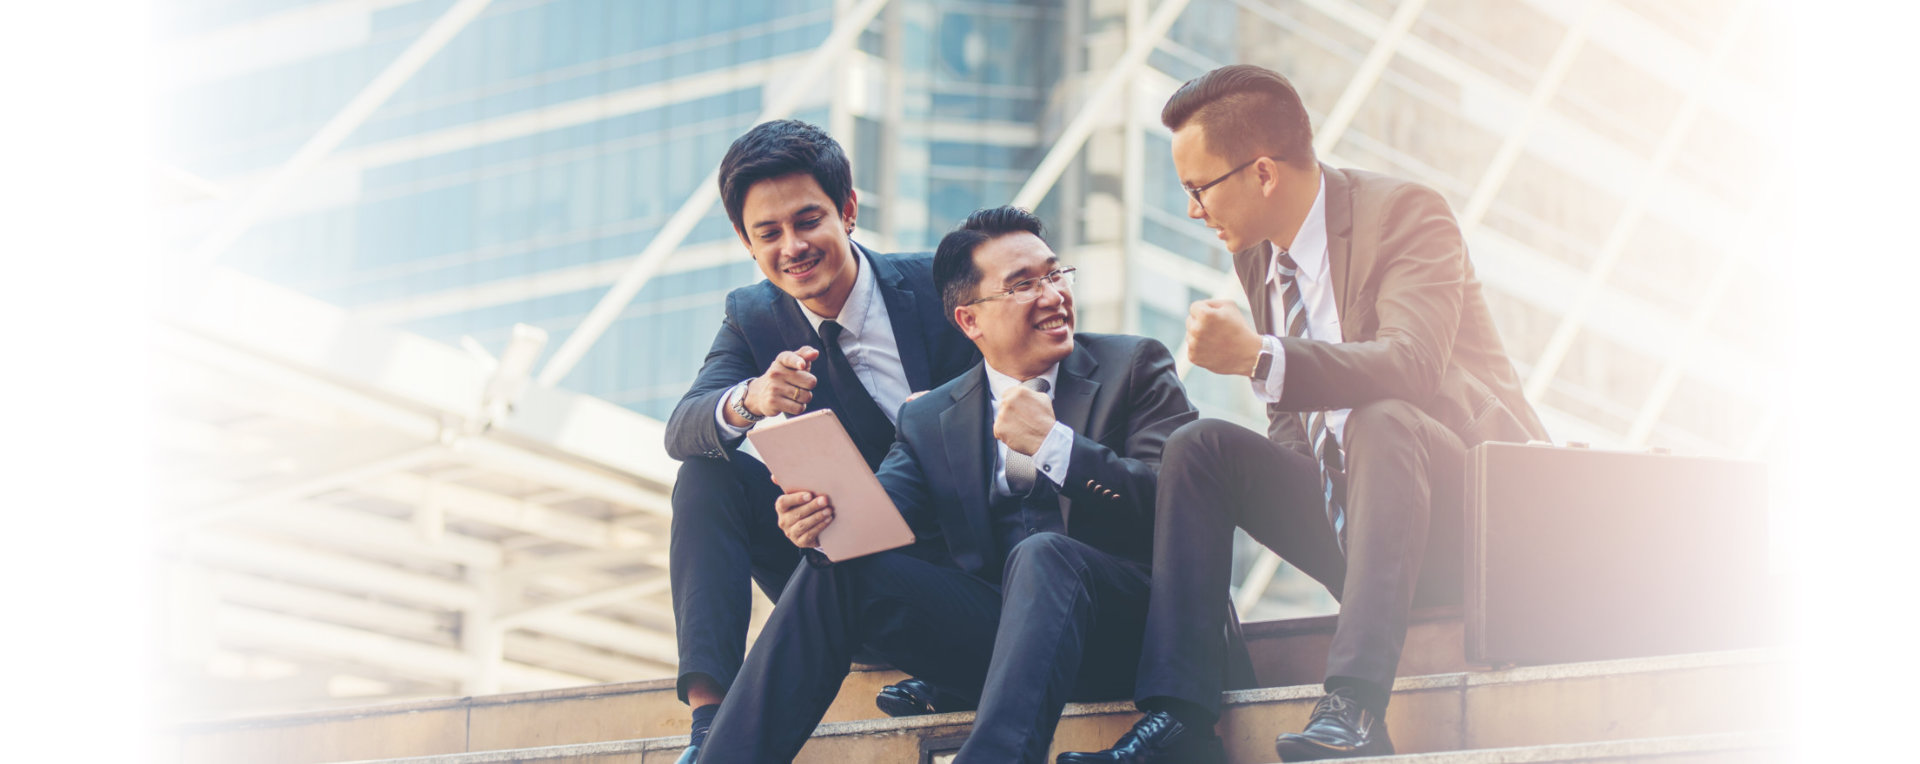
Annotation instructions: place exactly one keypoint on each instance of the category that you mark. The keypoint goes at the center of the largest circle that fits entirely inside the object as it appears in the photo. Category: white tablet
(812, 452)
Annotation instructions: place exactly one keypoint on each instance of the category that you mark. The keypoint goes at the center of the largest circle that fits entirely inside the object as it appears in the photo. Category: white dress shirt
(1309, 251)
(1055, 451)
(866, 339)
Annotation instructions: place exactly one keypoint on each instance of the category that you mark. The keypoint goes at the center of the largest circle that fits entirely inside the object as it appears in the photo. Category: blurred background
(448, 264)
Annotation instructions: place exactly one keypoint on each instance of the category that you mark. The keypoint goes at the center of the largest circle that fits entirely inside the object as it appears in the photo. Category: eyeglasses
(1028, 290)
(1194, 192)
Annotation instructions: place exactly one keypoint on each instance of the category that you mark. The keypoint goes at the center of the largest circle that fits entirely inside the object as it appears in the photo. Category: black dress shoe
(1158, 738)
(1340, 728)
(690, 755)
(914, 697)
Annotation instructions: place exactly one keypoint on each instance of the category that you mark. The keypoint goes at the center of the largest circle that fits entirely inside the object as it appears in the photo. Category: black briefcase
(1577, 554)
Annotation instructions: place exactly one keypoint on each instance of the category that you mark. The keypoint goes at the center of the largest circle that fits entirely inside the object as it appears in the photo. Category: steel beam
(1555, 73)
(336, 130)
(1075, 135)
(846, 30)
(1365, 77)
(302, 488)
(1571, 322)
(405, 657)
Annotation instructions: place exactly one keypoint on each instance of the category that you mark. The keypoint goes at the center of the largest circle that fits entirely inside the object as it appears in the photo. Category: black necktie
(872, 431)
(1333, 475)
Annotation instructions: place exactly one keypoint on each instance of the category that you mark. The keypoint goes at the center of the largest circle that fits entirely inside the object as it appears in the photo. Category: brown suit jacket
(1414, 323)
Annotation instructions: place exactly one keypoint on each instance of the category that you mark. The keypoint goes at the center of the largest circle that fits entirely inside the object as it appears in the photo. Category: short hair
(1248, 111)
(954, 272)
(783, 147)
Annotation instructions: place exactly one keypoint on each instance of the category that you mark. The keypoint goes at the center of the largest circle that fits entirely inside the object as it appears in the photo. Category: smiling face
(1021, 340)
(800, 240)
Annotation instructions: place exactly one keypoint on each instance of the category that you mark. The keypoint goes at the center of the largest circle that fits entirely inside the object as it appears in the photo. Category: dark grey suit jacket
(1415, 324)
(1119, 394)
(761, 321)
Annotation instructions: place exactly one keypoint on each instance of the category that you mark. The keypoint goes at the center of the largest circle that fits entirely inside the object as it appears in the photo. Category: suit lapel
(903, 313)
(1339, 212)
(1251, 265)
(1073, 403)
(964, 431)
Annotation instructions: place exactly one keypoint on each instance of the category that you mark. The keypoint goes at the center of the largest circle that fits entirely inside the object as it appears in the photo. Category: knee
(1392, 418)
(1201, 437)
(1048, 555)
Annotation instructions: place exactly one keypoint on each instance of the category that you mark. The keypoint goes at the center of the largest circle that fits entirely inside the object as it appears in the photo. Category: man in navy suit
(834, 325)
(1035, 471)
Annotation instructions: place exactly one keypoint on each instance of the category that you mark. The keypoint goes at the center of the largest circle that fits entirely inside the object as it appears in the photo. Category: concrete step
(1617, 710)
(1285, 653)
(1728, 748)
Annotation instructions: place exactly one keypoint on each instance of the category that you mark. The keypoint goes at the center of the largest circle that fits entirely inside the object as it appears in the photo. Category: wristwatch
(738, 402)
(1263, 366)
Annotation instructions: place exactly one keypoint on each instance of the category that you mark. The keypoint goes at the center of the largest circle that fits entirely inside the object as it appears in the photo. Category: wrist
(737, 403)
(1261, 365)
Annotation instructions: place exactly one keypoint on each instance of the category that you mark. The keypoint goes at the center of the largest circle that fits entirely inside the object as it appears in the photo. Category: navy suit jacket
(761, 321)
(1122, 398)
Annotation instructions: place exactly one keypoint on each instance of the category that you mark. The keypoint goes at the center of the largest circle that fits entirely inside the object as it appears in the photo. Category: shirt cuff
(727, 430)
(1269, 391)
(1054, 454)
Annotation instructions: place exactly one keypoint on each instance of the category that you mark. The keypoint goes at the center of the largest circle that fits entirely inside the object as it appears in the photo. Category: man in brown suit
(1373, 348)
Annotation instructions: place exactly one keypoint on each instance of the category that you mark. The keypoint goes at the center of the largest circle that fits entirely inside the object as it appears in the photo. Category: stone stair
(1708, 707)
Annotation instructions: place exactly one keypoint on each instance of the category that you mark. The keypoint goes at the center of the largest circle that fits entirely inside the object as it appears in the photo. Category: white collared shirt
(1309, 251)
(866, 339)
(1055, 452)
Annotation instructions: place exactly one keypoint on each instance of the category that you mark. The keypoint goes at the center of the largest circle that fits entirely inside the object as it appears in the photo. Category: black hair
(1247, 111)
(954, 272)
(783, 147)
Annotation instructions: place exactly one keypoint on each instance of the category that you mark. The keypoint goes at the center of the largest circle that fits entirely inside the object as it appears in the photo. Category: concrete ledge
(1706, 706)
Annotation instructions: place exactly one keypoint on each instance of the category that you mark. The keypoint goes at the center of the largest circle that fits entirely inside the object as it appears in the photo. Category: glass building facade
(513, 177)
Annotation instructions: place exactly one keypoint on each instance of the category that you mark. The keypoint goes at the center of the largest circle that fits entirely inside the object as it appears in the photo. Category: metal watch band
(738, 402)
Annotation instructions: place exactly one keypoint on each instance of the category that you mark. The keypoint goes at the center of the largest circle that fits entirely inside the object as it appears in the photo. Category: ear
(851, 211)
(744, 241)
(1268, 172)
(968, 321)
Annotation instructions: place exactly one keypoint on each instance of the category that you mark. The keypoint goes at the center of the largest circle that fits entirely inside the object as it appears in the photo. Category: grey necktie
(1333, 474)
(1020, 466)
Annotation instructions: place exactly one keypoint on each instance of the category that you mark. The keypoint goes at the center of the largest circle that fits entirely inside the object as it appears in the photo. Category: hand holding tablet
(832, 500)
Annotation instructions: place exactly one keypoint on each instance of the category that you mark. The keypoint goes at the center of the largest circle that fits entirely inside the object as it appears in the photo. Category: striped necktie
(1020, 466)
(1333, 474)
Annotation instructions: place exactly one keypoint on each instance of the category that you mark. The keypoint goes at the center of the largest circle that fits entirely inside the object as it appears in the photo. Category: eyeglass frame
(1060, 278)
(1193, 192)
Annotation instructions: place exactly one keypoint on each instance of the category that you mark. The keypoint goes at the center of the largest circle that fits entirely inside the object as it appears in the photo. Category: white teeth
(1052, 323)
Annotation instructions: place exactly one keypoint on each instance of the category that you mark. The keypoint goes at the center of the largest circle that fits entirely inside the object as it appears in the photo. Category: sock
(703, 721)
(1370, 696)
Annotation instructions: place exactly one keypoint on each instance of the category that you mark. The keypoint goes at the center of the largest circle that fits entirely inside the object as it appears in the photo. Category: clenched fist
(784, 389)
(1220, 340)
(1023, 419)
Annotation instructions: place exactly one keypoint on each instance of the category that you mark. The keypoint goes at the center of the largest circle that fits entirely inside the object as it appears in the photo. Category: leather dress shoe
(690, 755)
(914, 697)
(1340, 728)
(1158, 738)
